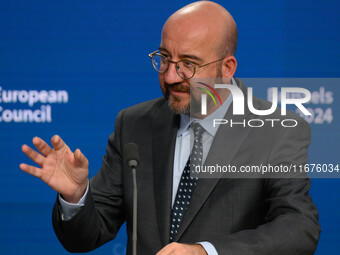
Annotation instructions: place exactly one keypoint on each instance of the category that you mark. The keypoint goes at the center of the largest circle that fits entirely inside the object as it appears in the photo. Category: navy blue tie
(187, 183)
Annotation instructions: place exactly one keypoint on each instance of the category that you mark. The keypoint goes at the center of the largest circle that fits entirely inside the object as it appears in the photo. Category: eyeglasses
(184, 68)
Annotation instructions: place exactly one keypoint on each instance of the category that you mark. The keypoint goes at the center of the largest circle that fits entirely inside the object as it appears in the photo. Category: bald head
(204, 35)
(209, 19)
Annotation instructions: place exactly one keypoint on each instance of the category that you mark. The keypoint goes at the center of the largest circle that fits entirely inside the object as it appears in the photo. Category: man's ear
(229, 66)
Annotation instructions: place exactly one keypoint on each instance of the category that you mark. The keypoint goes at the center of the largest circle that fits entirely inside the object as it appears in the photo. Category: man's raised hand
(64, 171)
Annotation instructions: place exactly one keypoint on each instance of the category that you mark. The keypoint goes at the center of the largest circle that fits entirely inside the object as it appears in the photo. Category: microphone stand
(132, 158)
(134, 218)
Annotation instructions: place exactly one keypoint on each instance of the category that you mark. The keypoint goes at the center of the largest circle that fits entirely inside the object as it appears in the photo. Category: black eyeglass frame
(156, 53)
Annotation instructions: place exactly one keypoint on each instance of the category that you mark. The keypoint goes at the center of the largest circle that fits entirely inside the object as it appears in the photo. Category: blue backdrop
(68, 67)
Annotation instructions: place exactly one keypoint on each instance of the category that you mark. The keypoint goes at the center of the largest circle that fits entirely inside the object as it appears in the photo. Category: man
(223, 215)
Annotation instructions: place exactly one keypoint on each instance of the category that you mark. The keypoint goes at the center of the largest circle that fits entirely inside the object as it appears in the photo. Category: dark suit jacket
(238, 216)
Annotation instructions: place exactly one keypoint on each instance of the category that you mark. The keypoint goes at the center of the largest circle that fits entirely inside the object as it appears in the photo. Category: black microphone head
(131, 154)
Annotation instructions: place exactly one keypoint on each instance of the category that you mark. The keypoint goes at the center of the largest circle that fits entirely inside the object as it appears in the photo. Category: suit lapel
(229, 140)
(164, 132)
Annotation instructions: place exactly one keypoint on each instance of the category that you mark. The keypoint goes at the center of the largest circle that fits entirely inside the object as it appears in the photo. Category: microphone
(131, 155)
(132, 160)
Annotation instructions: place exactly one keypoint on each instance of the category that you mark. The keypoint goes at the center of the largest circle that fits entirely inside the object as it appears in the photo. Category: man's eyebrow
(186, 56)
(162, 49)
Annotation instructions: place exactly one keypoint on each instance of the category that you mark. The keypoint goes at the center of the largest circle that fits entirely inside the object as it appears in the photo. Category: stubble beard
(175, 102)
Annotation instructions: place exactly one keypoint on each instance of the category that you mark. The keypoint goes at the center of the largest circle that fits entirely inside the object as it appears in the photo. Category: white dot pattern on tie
(187, 183)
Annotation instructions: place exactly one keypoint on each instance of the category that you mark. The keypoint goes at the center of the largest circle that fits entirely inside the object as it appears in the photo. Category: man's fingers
(178, 248)
(33, 155)
(167, 250)
(57, 143)
(42, 146)
(80, 159)
(32, 170)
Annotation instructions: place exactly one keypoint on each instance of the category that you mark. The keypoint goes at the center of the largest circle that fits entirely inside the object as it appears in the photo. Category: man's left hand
(182, 249)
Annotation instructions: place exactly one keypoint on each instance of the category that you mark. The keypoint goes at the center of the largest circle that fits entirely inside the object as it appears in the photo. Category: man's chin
(178, 107)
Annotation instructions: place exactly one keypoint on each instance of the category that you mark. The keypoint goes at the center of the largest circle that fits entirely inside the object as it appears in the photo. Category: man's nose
(171, 76)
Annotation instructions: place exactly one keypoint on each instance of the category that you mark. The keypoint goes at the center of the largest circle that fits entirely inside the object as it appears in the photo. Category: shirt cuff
(69, 210)
(209, 248)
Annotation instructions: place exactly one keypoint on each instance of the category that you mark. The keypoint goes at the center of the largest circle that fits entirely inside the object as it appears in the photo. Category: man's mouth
(179, 89)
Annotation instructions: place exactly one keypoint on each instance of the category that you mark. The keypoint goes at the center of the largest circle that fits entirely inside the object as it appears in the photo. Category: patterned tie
(187, 183)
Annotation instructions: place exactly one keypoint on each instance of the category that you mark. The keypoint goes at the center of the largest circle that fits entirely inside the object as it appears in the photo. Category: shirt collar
(184, 124)
(185, 119)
